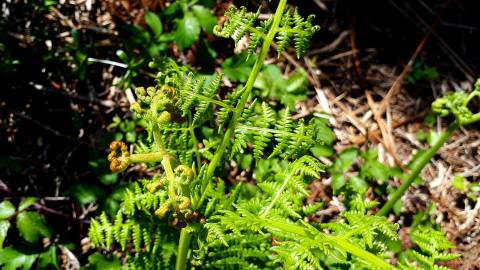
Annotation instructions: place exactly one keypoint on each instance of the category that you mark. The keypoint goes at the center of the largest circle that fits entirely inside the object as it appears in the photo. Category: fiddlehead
(456, 104)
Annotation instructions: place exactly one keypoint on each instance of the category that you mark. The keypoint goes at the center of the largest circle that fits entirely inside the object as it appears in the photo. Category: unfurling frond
(456, 104)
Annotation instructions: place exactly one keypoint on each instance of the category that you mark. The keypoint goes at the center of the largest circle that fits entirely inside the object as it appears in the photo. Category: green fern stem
(191, 130)
(273, 131)
(339, 242)
(248, 89)
(157, 137)
(474, 118)
(146, 158)
(417, 167)
(277, 195)
(172, 183)
(214, 101)
(185, 236)
(183, 246)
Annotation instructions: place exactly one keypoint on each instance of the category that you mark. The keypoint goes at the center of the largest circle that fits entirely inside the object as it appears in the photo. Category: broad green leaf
(358, 184)
(458, 182)
(297, 82)
(376, 170)
(7, 209)
(265, 168)
(187, 31)
(100, 262)
(205, 17)
(338, 181)
(32, 226)
(85, 193)
(321, 151)
(154, 23)
(345, 160)
(27, 202)
(4, 226)
(238, 67)
(109, 178)
(172, 9)
(48, 259)
(118, 193)
(421, 136)
(370, 155)
(269, 80)
(11, 259)
(288, 91)
(324, 133)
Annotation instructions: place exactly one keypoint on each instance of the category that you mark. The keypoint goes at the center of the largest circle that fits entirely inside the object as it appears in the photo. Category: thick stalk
(172, 183)
(158, 138)
(474, 118)
(147, 157)
(267, 42)
(336, 241)
(185, 236)
(417, 167)
(183, 246)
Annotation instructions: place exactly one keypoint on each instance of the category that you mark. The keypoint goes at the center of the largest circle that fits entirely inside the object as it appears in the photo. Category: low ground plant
(196, 214)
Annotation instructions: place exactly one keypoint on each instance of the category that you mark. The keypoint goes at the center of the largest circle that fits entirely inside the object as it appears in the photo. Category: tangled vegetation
(189, 214)
(234, 226)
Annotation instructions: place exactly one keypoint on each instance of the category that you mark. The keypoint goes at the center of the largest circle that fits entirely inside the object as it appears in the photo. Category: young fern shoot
(190, 194)
(454, 104)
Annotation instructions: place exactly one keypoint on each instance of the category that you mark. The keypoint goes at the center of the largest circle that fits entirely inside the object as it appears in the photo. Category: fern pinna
(188, 216)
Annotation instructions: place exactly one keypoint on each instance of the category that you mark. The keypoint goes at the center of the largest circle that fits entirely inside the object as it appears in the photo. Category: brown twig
(387, 141)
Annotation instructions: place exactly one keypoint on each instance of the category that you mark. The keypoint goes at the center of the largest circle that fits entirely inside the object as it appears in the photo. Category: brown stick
(388, 141)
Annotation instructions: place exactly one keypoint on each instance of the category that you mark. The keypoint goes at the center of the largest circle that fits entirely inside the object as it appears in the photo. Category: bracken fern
(195, 133)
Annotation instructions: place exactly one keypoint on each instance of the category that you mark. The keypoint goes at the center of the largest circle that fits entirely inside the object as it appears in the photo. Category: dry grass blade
(387, 141)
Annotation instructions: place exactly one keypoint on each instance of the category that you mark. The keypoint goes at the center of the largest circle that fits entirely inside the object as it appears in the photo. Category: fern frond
(137, 236)
(256, 37)
(284, 37)
(95, 234)
(307, 165)
(215, 232)
(262, 138)
(224, 113)
(107, 228)
(241, 137)
(284, 125)
(301, 255)
(239, 22)
(293, 27)
(304, 31)
(208, 92)
(433, 247)
(189, 90)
